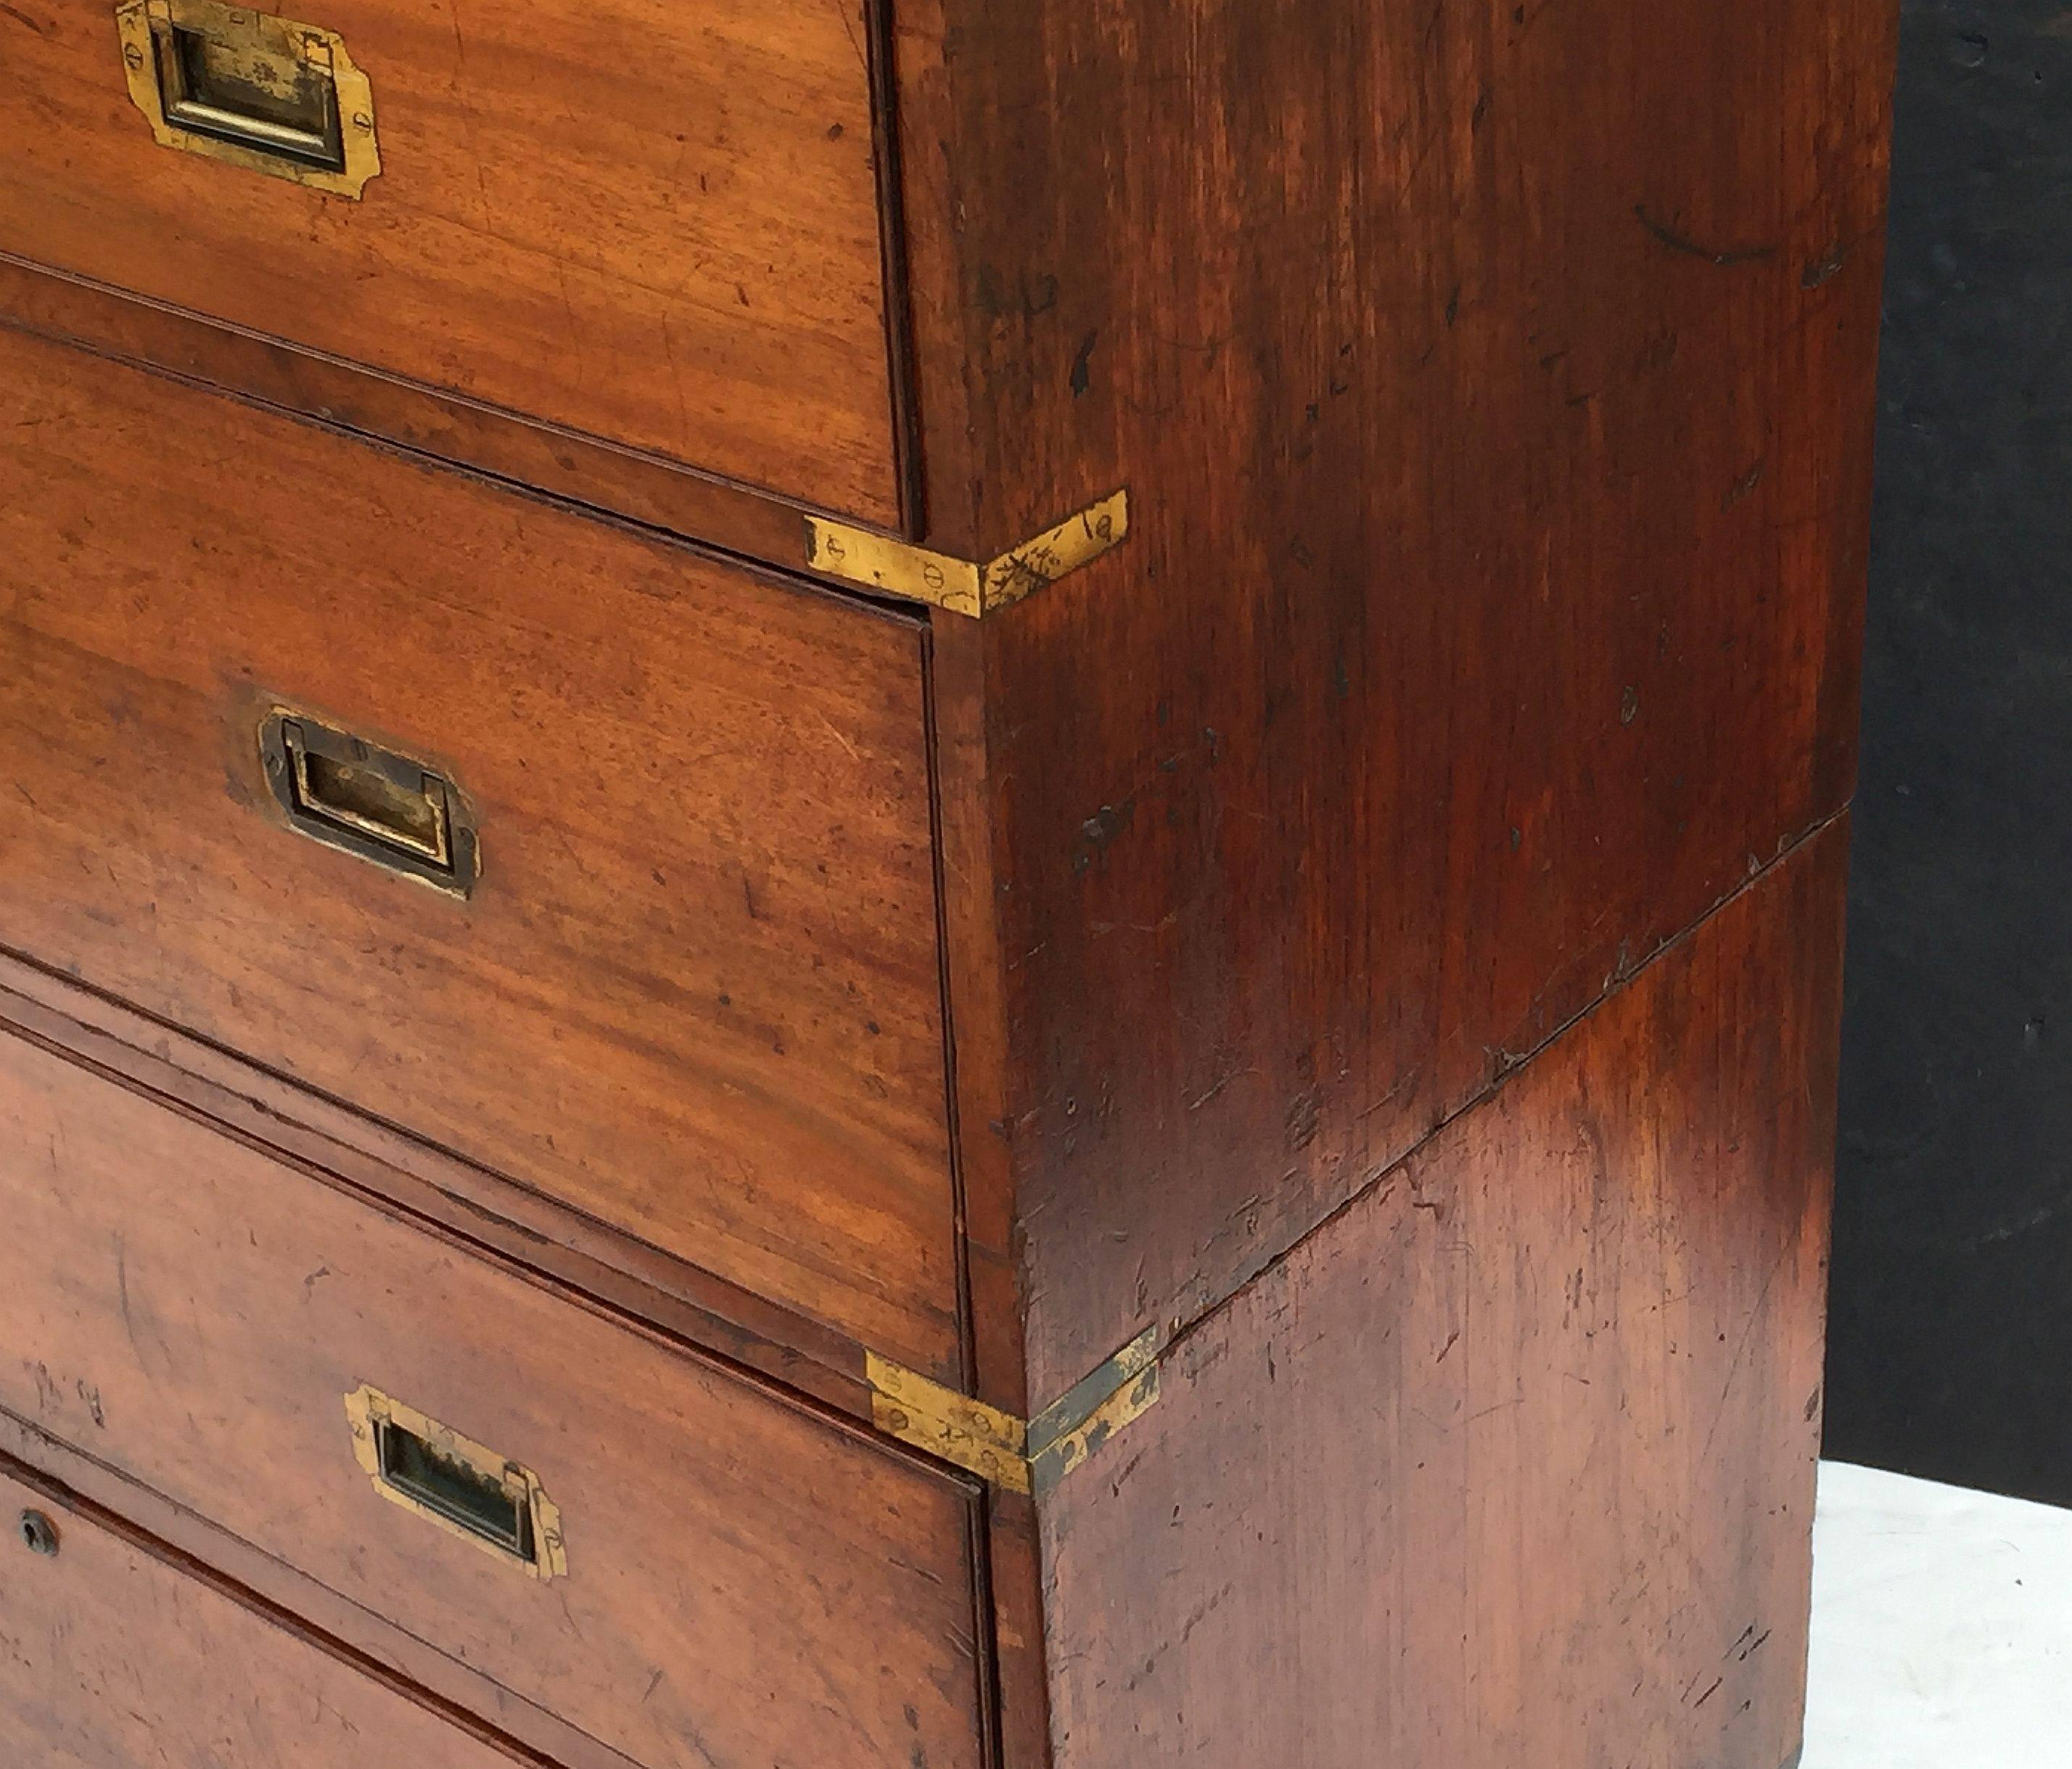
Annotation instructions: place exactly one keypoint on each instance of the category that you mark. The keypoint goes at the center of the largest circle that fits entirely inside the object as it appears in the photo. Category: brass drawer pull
(467, 1489)
(258, 91)
(341, 790)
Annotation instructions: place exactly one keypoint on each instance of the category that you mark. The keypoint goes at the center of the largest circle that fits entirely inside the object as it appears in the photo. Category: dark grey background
(1950, 1349)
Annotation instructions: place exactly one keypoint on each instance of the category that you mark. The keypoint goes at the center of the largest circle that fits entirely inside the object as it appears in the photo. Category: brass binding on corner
(1018, 1455)
(253, 90)
(965, 586)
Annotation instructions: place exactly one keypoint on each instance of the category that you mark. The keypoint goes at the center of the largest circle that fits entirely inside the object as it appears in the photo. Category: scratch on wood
(1723, 257)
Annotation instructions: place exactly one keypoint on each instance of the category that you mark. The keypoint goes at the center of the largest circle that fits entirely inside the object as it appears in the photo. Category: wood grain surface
(1389, 908)
(115, 1657)
(106, 320)
(1494, 391)
(416, 1178)
(1513, 1462)
(696, 994)
(653, 223)
(747, 1581)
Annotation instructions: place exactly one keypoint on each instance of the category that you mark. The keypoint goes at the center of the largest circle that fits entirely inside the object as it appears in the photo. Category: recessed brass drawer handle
(342, 791)
(467, 1489)
(261, 91)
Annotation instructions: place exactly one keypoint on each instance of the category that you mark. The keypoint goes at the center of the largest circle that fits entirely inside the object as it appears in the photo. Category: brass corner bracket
(966, 586)
(1029, 1456)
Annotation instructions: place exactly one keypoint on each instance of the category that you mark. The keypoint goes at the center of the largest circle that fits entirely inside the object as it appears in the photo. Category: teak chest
(899, 884)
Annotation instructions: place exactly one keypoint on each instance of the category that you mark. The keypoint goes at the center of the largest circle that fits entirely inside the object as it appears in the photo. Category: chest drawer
(113, 1657)
(690, 988)
(654, 222)
(686, 1566)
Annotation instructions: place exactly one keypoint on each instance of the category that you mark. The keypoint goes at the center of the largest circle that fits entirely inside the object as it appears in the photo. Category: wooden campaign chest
(899, 884)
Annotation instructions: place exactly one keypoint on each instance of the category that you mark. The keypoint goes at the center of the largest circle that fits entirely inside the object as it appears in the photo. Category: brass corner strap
(966, 586)
(1029, 1456)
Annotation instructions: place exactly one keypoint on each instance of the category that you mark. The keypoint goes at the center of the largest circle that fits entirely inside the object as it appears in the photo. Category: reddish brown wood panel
(1494, 391)
(115, 1657)
(651, 221)
(696, 994)
(1513, 1462)
(687, 503)
(423, 1181)
(194, 1542)
(746, 1582)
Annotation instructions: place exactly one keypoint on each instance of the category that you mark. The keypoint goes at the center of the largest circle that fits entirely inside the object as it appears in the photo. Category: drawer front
(651, 221)
(115, 1658)
(713, 1574)
(695, 990)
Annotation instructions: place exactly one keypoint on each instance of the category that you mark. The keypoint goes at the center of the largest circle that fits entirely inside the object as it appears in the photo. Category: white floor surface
(1942, 1628)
